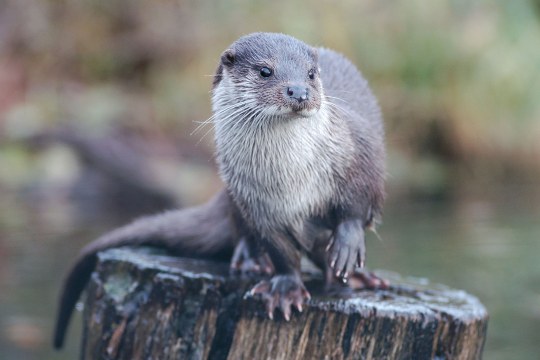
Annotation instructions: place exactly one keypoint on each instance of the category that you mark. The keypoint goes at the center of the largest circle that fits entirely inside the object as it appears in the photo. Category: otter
(300, 148)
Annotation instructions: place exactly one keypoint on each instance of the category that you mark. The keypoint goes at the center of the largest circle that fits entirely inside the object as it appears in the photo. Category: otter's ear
(228, 57)
(227, 60)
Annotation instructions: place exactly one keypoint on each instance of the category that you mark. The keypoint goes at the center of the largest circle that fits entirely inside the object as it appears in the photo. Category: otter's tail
(203, 231)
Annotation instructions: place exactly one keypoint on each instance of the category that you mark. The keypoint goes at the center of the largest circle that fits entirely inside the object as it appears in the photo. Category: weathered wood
(145, 306)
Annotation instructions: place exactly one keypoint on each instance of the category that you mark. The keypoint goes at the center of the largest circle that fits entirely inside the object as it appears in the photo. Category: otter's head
(268, 75)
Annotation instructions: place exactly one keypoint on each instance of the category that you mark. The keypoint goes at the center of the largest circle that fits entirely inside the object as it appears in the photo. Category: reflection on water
(38, 240)
(487, 248)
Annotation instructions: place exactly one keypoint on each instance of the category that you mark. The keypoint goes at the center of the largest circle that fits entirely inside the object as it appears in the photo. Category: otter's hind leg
(250, 259)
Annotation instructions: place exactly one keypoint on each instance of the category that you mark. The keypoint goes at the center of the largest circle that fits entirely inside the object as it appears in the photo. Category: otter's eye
(266, 72)
(311, 74)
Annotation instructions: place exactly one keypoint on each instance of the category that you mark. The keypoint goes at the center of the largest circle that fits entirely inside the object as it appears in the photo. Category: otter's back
(347, 88)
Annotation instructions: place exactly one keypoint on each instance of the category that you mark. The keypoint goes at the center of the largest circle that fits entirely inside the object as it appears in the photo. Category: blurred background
(99, 101)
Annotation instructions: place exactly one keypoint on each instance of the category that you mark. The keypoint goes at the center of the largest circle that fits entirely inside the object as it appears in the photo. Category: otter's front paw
(347, 248)
(283, 292)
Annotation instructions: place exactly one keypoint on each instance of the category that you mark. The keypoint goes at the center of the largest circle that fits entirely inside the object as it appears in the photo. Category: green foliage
(469, 69)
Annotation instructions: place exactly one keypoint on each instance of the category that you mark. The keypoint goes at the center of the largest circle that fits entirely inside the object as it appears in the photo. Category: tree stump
(141, 305)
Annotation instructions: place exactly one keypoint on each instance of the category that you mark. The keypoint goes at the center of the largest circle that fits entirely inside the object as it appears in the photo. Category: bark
(141, 305)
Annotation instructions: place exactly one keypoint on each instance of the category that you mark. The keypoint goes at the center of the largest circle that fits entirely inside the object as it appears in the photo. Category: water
(489, 248)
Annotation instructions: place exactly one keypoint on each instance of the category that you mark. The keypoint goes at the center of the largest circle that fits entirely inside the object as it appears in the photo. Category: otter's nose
(298, 93)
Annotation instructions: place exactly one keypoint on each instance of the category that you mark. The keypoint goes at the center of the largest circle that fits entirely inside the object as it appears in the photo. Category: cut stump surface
(141, 305)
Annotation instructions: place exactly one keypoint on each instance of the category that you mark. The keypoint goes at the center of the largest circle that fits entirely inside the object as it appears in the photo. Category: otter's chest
(284, 173)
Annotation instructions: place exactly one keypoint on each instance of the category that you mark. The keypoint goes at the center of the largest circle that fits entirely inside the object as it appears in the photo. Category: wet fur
(296, 183)
(300, 171)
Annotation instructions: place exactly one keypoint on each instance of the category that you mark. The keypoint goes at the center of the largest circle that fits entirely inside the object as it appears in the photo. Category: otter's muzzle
(298, 93)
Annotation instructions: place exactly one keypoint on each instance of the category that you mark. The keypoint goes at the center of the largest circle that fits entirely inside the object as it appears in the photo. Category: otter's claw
(283, 292)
